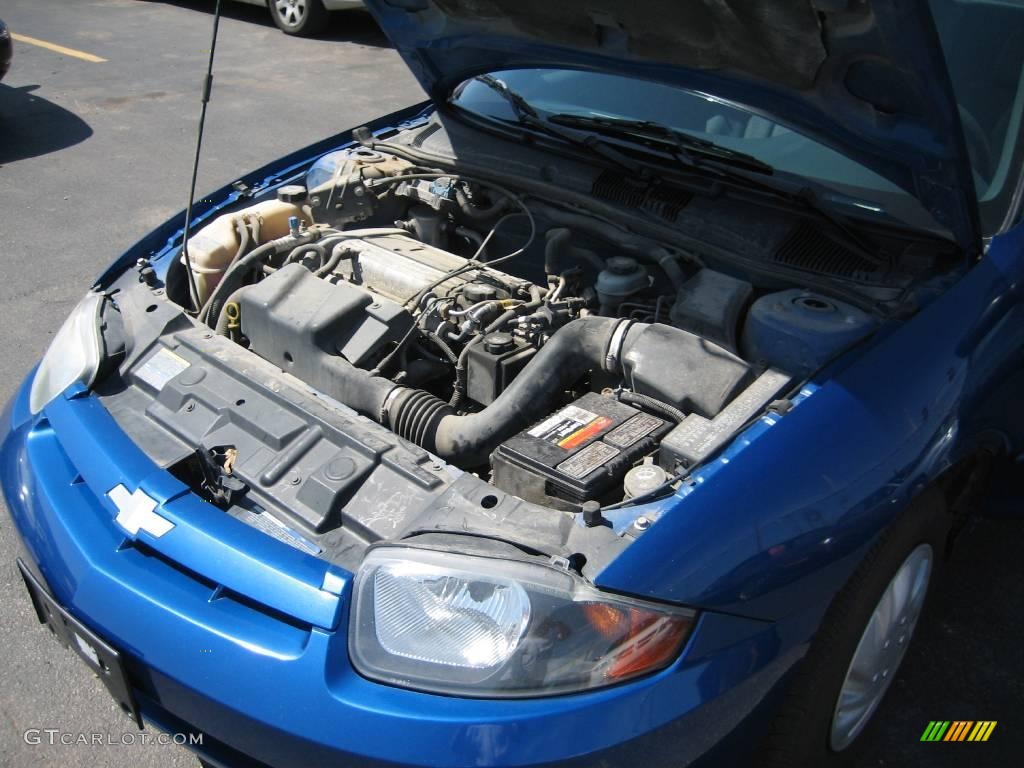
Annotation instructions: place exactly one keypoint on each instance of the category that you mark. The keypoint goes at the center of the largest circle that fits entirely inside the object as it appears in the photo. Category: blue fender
(779, 523)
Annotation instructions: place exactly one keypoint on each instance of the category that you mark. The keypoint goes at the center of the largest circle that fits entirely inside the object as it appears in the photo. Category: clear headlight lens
(478, 621)
(74, 354)
(478, 626)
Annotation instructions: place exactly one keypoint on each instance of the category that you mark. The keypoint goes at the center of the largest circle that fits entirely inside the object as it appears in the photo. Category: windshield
(981, 41)
(562, 91)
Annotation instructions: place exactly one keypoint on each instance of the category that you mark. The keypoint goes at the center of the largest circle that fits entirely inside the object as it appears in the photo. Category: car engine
(378, 324)
(623, 360)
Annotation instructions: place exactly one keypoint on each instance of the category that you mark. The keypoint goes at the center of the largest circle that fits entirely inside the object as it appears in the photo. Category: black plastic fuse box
(579, 453)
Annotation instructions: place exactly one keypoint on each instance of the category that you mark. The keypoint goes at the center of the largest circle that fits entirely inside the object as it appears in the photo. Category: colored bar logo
(580, 436)
(958, 730)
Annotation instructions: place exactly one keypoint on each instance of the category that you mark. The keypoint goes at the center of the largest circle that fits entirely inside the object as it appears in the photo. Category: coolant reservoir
(213, 247)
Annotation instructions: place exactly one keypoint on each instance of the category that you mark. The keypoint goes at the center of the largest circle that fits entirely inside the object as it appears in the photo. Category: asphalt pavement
(94, 154)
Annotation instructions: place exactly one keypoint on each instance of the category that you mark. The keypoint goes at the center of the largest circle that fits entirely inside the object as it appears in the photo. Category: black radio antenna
(207, 88)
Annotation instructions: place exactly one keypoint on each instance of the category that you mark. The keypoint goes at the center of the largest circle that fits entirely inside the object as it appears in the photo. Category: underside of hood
(781, 42)
(866, 77)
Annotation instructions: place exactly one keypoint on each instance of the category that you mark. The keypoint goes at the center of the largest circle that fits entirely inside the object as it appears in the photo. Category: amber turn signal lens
(653, 641)
(608, 620)
(642, 640)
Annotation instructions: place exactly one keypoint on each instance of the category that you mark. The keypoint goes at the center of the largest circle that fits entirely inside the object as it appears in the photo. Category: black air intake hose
(583, 345)
(558, 250)
(354, 387)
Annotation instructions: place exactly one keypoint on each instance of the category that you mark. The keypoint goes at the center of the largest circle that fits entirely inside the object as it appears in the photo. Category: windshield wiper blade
(848, 235)
(692, 149)
(716, 159)
(524, 111)
(527, 116)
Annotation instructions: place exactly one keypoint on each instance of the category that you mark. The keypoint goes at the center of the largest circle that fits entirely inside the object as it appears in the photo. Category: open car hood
(866, 77)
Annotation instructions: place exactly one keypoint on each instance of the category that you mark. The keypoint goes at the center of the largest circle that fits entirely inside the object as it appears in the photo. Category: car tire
(301, 18)
(810, 727)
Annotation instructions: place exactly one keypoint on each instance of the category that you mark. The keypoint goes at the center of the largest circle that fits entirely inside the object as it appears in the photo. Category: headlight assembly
(476, 626)
(74, 354)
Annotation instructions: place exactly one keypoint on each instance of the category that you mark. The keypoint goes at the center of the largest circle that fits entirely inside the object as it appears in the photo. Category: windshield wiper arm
(716, 159)
(692, 149)
(695, 152)
(527, 116)
(523, 110)
(849, 236)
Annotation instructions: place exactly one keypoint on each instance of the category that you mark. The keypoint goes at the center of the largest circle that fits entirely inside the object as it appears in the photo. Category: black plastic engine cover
(295, 319)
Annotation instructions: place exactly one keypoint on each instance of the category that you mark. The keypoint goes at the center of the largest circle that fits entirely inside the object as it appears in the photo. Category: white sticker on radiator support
(161, 368)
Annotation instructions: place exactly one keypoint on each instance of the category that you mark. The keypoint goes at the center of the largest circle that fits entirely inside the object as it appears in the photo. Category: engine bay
(340, 359)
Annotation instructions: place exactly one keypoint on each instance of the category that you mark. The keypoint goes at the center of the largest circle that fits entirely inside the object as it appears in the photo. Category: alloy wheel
(292, 12)
(882, 647)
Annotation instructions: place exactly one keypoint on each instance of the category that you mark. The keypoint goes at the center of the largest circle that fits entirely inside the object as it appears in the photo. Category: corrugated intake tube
(583, 345)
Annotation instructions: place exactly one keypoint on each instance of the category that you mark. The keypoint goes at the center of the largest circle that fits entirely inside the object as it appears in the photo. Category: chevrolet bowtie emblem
(135, 512)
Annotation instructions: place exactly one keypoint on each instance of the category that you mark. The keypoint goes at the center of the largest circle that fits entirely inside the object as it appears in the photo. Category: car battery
(577, 454)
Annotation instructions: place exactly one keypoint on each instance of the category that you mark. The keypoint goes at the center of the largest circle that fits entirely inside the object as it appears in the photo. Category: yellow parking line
(57, 48)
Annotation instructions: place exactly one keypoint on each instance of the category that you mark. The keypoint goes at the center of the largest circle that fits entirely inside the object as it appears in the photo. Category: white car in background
(303, 17)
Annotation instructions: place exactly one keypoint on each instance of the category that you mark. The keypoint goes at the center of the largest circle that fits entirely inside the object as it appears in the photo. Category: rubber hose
(245, 238)
(669, 265)
(303, 250)
(228, 283)
(475, 239)
(652, 404)
(558, 249)
(471, 211)
(639, 247)
(459, 390)
(581, 346)
(338, 253)
(443, 346)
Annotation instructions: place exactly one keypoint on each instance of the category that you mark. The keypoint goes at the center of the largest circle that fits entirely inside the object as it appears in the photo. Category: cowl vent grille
(665, 202)
(808, 249)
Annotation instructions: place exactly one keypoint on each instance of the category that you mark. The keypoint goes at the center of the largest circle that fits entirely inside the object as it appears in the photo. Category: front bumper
(233, 634)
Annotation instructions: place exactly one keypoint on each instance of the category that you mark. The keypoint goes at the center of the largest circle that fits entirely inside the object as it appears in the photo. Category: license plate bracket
(103, 659)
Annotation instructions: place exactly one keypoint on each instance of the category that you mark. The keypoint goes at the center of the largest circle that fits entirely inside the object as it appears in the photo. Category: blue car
(616, 406)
